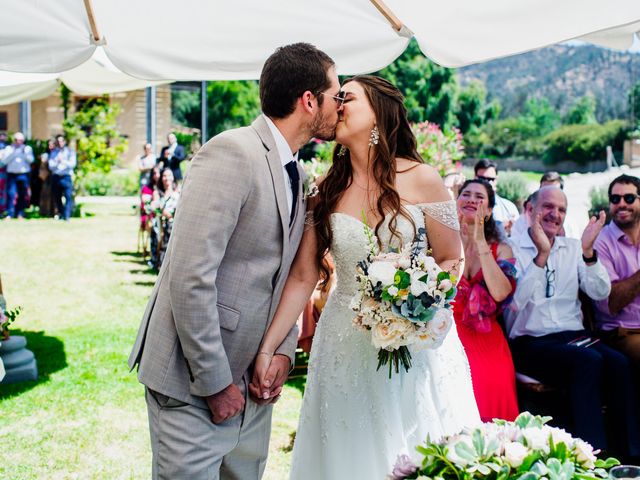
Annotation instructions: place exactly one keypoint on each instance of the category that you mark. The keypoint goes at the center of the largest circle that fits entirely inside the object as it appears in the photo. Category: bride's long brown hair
(396, 139)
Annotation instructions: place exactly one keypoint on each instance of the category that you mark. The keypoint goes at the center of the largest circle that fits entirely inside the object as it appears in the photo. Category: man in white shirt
(545, 324)
(505, 212)
(18, 158)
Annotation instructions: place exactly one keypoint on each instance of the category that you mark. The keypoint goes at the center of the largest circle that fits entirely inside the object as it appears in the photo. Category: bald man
(545, 324)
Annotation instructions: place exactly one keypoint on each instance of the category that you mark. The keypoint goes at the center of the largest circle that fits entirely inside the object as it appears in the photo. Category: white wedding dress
(355, 421)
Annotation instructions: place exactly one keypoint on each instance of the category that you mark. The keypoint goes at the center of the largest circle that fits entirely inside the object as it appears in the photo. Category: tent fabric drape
(222, 40)
(147, 42)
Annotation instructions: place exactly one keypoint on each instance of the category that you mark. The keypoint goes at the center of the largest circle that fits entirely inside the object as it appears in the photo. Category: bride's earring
(374, 139)
(342, 151)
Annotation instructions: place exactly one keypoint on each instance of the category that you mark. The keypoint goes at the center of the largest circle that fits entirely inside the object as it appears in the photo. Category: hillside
(561, 73)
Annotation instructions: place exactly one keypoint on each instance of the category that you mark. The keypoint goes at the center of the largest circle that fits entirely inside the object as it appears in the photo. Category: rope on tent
(95, 33)
(385, 11)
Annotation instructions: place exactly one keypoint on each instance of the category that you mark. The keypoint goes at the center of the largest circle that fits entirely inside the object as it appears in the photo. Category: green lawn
(83, 289)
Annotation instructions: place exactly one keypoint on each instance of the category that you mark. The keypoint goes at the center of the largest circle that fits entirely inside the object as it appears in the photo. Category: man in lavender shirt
(618, 247)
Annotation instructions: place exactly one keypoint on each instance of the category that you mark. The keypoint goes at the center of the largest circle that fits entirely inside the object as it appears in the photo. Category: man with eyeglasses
(545, 325)
(236, 231)
(505, 213)
(619, 248)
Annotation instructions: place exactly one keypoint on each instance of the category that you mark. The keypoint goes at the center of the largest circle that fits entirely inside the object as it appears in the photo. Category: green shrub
(583, 143)
(503, 138)
(187, 140)
(116, 183)
(513, 186)
(599, 198)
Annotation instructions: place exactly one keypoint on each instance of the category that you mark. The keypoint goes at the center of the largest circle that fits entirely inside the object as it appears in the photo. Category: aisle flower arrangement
(525, 449)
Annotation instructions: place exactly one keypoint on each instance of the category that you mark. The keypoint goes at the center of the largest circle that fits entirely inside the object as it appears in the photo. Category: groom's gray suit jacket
(225, 267)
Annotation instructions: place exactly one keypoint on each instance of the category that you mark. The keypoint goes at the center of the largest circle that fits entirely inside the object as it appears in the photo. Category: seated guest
(552, 179)
(545, 324)
(488, 281)
(618, 247)
(505, 212)
(165, 202)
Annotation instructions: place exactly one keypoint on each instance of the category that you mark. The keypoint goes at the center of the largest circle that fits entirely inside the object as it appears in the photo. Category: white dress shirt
(286, 156)
(505, 210)
(531, 312)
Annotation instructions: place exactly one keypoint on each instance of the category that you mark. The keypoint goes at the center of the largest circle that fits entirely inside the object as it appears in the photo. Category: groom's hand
(225, 404)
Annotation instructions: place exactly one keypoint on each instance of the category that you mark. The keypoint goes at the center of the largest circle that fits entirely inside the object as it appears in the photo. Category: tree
(230, 104)
(634, 104)
(430, 91)
(582, 112)
(540, 115)
(472, 109)
(99, 143)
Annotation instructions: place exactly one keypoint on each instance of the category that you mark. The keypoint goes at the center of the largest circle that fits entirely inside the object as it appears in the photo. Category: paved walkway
(577, 187)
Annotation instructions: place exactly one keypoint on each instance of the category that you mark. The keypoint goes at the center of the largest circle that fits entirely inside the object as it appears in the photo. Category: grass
(83, 289)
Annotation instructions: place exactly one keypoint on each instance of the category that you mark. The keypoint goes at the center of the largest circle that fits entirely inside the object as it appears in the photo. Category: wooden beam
(92, 21)
(386, 12)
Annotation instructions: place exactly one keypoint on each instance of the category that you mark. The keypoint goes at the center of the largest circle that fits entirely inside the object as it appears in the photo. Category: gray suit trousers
(186, 444)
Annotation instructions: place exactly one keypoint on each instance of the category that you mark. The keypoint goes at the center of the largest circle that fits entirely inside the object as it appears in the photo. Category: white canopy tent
(222, 40)
(96, 76)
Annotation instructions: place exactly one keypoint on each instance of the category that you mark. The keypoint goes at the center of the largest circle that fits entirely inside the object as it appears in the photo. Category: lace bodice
(350, 242)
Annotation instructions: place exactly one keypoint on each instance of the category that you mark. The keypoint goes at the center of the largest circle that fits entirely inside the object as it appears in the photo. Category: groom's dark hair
(288, 73)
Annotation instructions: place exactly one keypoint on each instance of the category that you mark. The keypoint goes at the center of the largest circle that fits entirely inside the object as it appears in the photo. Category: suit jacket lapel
(277, 176)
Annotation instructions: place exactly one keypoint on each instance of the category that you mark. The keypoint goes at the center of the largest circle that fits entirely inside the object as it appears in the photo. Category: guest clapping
(487, 283)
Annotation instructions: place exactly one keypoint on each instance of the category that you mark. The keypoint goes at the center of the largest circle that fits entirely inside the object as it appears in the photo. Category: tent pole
(152, 117)
(25, 118)
(204, 113)
(92, 21)
(386, 12)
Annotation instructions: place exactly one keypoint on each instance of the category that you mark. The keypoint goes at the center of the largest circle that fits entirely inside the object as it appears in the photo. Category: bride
(355, 421)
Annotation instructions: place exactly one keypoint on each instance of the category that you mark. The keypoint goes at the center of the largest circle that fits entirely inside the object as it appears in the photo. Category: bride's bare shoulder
(422, 181)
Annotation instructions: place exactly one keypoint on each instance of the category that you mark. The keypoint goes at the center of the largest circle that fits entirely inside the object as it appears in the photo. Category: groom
(237, 228)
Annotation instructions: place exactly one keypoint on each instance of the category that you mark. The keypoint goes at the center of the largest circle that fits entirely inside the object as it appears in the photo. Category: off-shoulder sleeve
(445, 213)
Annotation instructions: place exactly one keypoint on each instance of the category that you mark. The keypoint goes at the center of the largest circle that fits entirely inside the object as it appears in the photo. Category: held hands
(269, 374)
(591, 232)
(226, 404)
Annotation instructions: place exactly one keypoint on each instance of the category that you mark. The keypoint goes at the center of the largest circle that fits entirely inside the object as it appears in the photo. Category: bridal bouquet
(526, 449)
(403, 298)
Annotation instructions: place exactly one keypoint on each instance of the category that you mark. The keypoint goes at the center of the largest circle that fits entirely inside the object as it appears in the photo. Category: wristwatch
(590, 259)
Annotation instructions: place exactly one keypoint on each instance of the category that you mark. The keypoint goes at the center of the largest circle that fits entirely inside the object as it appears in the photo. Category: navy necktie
(294, 176)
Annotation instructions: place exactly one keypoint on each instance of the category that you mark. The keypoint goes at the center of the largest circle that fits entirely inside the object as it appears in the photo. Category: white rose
(428, 262)
(439, 325)
(584, 453)
(383, 272)
(445, 285)
(404, 263)
(418, 287)
(561, 436)
(515, 453)
(536, 438)
(390, 335)
(392, 290)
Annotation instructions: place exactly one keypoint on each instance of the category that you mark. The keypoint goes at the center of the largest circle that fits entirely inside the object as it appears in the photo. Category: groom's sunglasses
(629, 198)
(339, 99)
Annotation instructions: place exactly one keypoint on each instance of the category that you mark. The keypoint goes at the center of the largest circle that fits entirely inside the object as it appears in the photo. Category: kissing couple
(218, 336)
